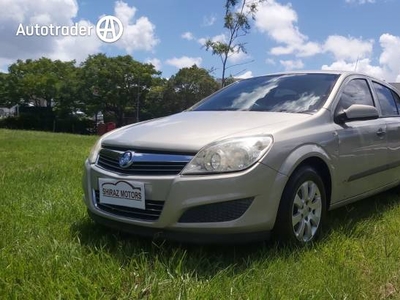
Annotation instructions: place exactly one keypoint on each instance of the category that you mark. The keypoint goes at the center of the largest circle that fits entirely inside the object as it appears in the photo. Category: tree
(40, 81)
(187, 87)
(155, 104)
(5, 90)
(181, 91)
(66, 99)
(237, 25)
(115, 85)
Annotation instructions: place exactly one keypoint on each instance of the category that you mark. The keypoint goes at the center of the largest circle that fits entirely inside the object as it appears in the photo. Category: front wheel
(302, 208)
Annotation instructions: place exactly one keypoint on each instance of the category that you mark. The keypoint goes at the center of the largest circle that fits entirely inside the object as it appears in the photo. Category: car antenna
(356, 65)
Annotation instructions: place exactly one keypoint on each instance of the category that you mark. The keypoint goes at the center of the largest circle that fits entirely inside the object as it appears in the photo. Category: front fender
(300, 154)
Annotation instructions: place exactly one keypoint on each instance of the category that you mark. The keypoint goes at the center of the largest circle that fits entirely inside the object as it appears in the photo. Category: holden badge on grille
(126, 159)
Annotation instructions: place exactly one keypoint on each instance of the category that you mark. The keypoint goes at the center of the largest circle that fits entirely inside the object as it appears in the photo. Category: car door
(362, 146)
(389, 102)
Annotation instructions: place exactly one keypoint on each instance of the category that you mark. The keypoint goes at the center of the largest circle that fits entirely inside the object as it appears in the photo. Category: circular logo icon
(126, 159)
(109, 29)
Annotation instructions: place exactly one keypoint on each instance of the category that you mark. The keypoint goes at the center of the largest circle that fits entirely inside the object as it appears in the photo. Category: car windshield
(292, 93)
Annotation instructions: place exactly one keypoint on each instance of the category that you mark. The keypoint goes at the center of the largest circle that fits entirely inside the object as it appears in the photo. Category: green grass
(50, 249)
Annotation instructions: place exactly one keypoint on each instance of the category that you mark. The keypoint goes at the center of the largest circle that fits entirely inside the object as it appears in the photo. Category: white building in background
(8, 112)
(4, 112)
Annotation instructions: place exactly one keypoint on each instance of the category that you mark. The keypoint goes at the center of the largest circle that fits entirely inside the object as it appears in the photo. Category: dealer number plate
(122, 192)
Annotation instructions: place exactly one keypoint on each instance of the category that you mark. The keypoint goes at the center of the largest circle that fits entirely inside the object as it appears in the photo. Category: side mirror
(357, 112)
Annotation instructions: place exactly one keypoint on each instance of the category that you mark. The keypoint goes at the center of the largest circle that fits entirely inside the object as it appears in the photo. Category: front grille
(151, 213)
(144, 163)
(216, 212)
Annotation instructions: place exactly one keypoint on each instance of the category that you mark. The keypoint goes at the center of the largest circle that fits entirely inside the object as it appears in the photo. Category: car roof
(336, 72)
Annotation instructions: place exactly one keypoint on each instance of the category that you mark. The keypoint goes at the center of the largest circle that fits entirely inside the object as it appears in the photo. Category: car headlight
(229, 155)
(95, 151)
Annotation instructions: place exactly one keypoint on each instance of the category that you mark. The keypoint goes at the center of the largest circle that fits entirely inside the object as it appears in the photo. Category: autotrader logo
(109, 29)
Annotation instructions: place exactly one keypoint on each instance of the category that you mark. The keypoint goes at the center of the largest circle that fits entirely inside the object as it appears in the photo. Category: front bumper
(181, 236)
(180, 195)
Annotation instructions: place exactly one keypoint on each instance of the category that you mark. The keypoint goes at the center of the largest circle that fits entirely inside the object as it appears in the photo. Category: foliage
(156, 103)
(123, 89)
(51, 250)
(181, 91)
(73, 124)
(41, 81)
(5, 91)
(47, 122)
(67, 100)
(237, 25)
(116, 84)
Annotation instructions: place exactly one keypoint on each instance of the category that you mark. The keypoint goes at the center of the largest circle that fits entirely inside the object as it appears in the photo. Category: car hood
(190, 131)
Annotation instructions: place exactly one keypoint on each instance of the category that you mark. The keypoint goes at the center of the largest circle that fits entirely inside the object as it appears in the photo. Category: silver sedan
(270, 154)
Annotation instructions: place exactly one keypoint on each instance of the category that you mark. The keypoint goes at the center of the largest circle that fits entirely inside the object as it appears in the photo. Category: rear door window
(386, 100)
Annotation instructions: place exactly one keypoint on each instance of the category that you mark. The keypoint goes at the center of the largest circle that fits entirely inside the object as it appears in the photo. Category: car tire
(302, 208)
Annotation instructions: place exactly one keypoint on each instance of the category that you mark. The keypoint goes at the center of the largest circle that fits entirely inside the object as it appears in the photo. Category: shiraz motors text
(122, 194)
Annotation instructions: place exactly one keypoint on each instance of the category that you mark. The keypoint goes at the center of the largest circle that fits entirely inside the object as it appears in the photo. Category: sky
(362, 35)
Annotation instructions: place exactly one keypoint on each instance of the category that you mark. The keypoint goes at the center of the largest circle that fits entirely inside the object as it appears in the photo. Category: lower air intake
(216, 212)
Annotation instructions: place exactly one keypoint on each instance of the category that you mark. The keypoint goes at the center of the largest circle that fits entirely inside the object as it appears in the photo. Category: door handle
(380, 132)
